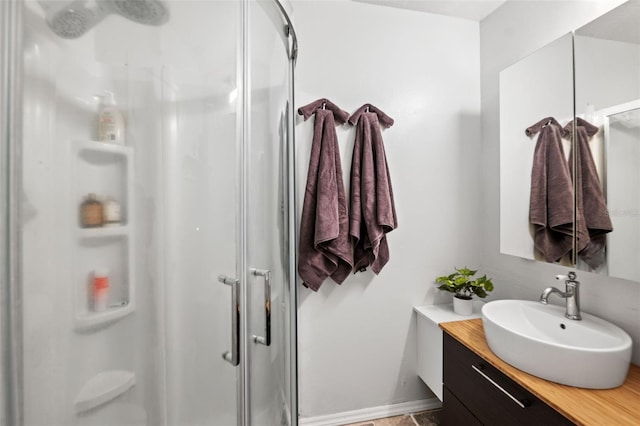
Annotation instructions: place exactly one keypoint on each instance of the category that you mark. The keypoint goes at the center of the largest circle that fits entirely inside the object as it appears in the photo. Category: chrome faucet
(571, 294)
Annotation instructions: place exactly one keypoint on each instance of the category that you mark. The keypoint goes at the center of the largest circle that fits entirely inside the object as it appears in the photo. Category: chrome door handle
(233, 356)
(266, 340)
(521, 403)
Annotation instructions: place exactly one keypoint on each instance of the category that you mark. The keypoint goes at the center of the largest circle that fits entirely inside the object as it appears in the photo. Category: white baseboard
(365, 414)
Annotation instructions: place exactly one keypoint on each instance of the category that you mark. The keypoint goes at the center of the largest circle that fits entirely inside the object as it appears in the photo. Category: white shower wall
(60, 81)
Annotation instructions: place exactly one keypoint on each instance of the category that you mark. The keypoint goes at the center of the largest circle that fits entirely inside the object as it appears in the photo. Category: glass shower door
(157, 310)
(268, 285)
(199, 237)
(124, 318)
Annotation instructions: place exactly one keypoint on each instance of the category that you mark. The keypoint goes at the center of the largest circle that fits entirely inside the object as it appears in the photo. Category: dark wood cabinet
(476, 393)
(455, 413)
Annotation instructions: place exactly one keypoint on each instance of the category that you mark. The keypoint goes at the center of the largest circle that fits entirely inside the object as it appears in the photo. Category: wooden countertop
(619, 406)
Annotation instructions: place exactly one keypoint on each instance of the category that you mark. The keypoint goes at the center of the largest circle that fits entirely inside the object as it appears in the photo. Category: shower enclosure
(180, 308)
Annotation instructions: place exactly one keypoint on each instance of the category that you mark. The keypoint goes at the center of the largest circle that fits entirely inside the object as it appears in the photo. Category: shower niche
(106, 170)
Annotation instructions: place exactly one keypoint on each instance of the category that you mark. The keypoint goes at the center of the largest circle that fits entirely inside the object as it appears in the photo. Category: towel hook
(324, 105)
(366, 109)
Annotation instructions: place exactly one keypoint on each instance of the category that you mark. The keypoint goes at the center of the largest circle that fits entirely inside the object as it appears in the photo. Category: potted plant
(461, 284)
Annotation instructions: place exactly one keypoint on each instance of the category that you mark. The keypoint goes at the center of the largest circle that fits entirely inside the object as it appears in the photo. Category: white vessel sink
(539, 340)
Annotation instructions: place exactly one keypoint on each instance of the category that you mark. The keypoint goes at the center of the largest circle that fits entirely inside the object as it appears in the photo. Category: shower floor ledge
(102, 388)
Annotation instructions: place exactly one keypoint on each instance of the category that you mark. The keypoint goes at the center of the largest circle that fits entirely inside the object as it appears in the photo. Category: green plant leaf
(461, 280)
(446, 287)
(461, 284)
(466, 271)
(479, 291)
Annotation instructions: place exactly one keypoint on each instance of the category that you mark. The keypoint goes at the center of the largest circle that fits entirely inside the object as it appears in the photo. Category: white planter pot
(462, 306)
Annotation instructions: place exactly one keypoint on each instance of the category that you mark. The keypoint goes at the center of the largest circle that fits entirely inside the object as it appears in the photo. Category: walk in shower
(147, 254)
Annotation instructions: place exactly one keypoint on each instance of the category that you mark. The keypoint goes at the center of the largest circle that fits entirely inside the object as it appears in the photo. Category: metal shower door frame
(11, 12)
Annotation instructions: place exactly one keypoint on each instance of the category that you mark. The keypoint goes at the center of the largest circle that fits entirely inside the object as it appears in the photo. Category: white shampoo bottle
(100, 290)
(110, 120)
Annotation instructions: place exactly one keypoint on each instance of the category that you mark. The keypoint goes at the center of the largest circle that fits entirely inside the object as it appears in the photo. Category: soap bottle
(110, 120)
(100, 290)
(91, 212)
(111, 212)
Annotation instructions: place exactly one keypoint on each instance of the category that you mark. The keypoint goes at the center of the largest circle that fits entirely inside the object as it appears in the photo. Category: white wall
(356, 341)
(510, 33)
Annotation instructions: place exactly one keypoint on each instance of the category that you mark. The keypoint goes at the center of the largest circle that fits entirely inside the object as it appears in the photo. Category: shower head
(147, 12)
(73, 19)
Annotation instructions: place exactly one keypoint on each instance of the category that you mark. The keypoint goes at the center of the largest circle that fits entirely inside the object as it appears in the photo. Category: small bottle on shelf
(110, 120)
(91, 212)
(111, 212)
(100, 290)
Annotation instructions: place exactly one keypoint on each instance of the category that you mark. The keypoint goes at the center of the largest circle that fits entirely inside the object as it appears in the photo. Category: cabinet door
(455, 413)
(491, 396)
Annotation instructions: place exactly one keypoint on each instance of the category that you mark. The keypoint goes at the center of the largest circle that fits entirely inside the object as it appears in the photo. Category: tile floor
(425, 418)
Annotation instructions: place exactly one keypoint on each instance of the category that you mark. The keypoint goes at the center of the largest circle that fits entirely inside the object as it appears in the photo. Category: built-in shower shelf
(105, 147)
(105, 231)
(102, 388)
(86, 321)
(107, 170)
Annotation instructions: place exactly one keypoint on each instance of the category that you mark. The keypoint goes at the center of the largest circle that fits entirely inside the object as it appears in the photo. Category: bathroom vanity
(472, 385)
(480, 388)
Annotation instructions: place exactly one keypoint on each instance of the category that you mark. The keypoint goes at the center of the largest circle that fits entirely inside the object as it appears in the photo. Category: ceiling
(475, 10)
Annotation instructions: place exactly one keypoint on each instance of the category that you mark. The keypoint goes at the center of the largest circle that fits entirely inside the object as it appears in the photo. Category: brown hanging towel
(593, 221)
(373, 212)
(551, 197)
(324, 249)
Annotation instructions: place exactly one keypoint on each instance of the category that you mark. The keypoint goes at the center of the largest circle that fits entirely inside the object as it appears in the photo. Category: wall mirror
(536, 87)
(607, 94)
(602, 151)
